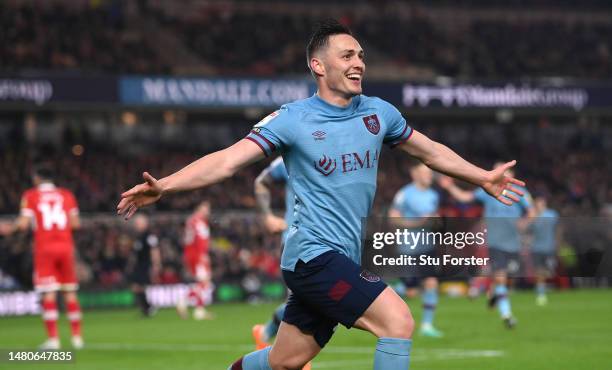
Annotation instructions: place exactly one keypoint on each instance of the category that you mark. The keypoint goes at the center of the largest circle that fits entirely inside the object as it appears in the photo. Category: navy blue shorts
(328, 290)
(544, 261)
(414, 276)
(506, 261)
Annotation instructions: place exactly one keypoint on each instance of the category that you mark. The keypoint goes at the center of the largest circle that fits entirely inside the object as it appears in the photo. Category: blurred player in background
(543, 245)
(504, 225)
(276, 172)
(52, 213)
(334, 181)
(197, 262)
(145, 264)
(412, 207)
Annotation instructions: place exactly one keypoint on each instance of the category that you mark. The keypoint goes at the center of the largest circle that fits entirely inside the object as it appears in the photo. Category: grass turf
(573, 332)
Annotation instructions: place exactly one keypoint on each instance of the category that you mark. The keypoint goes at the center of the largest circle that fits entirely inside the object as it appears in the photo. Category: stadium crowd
(580, 182)
(565, 159)
(101, 37)
(76, 39)
(105, 255)
(570, 167)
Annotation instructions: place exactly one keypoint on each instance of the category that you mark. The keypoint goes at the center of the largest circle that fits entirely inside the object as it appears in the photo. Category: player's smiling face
(344, 67)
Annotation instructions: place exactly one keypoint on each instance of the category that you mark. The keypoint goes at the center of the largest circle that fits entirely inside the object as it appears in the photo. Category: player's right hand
(274, 224)
(139, 196)
(502, 187)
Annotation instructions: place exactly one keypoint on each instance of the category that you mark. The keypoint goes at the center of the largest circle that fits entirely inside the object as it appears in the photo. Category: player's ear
(317, 67)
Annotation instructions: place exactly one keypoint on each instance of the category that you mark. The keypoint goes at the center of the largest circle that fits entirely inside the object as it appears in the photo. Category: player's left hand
(500, 186)
(139, 196)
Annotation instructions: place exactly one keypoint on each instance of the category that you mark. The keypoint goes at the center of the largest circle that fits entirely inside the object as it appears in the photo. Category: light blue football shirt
(278, 173)
(411, 201)
(501, 220)
(543, 228)
(331, 154)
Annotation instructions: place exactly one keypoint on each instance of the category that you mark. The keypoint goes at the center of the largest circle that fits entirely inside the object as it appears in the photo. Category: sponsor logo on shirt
(355, 161)
(326, 165)
(349, 162)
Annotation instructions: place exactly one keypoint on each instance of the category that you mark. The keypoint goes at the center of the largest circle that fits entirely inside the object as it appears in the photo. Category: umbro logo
(319, 135)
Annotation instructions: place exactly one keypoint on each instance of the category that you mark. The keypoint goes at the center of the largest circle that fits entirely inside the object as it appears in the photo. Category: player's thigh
(46, 271)
(387, 316)
(500, 260)
(292, 348)
(309, 320)
(545, 264)
(67, 271)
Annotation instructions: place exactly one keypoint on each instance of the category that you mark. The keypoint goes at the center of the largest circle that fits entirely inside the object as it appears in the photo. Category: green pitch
(573, 332)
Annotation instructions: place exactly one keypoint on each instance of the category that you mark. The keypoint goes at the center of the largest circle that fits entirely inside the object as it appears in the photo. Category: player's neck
(45, 185)
(334, 99)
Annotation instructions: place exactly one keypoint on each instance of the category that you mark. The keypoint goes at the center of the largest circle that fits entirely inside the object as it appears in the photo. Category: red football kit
(49, 208)
(197, 234)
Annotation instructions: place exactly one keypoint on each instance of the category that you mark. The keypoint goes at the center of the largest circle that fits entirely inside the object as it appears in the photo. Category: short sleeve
(481, 195)
(275, 131)
(398, 130)
(278, 171)
(26, 207)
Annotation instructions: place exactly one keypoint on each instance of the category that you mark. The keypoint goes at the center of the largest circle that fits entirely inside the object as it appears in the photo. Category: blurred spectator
(66, 37)
(565, 159)
(230, 39)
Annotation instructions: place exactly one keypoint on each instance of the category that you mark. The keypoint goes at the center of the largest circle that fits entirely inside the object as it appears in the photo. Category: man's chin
(354, 91)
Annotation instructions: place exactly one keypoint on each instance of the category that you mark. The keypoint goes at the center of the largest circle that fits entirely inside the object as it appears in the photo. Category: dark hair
(43, 171)
(321, 34)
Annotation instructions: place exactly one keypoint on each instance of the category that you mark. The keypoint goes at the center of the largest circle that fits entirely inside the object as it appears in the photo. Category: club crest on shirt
(369, 276)
(372, 124)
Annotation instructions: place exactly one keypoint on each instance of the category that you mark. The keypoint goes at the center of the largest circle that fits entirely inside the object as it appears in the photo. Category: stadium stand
(99, 153)
(419, 42)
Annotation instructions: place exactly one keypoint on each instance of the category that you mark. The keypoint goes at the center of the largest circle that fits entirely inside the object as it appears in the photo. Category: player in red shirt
(197, 262)
(52, 213)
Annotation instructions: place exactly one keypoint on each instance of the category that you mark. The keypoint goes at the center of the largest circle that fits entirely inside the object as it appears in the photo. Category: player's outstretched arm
(205, 171)
(21, 224)
(442, 159)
